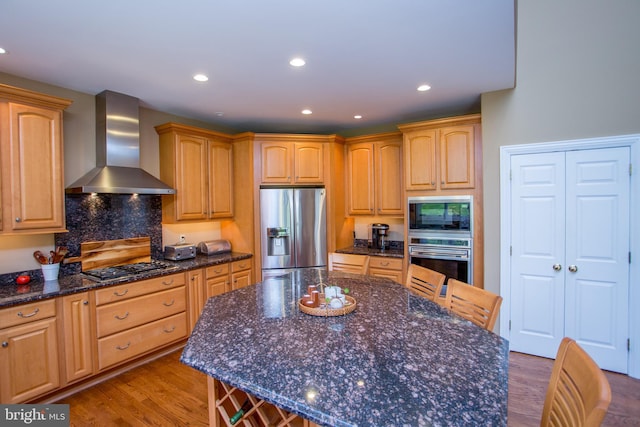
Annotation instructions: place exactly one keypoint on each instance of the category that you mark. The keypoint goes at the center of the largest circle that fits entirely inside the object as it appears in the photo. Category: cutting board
(108, 253)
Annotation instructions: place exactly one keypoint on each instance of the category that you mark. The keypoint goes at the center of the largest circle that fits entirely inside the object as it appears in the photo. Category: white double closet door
(570, 253)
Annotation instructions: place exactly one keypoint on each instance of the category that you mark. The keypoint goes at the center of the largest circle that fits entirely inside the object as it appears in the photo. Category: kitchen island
(398, 359)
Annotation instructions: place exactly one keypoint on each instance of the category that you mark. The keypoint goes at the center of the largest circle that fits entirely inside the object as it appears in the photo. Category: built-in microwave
(441, 214)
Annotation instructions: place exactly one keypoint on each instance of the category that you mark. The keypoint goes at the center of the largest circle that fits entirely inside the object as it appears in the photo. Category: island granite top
(38, 289)
(397, 360)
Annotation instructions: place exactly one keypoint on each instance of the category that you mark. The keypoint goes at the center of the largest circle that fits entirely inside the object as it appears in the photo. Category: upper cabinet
(31, 158)
(198, 163)
(441, 154)
(374, 175)
(291, 159)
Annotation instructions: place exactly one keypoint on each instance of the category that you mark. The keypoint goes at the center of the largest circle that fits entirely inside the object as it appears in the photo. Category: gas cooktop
(128, 271)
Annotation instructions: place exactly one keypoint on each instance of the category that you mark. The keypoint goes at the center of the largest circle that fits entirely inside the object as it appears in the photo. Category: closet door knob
(557, 267)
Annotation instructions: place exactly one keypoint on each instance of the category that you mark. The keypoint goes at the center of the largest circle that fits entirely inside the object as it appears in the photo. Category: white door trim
(632, 141)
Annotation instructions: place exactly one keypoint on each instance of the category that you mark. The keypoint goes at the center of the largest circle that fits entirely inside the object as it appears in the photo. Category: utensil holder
(50, 271)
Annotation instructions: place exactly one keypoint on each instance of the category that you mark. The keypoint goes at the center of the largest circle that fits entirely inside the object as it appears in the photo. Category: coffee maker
(378, 235)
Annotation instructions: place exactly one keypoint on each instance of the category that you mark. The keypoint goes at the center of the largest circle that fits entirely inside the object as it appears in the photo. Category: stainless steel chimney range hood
(118, 151)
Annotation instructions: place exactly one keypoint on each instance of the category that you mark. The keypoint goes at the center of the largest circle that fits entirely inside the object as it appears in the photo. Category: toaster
(214, 247)
(179, 251)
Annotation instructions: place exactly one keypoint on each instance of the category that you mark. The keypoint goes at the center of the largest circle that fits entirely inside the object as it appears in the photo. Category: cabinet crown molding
(438, 123)
(25, 96)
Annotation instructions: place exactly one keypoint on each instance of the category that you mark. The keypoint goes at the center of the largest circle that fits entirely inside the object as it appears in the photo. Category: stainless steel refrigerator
(293, 229)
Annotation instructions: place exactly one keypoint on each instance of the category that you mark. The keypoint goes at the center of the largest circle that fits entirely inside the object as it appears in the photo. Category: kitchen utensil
(40, 257)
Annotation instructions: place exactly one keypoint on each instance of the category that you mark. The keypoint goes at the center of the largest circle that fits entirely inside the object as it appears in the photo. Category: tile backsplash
(92, 217)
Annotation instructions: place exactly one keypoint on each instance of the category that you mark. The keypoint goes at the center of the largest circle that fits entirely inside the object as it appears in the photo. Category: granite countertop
(38, 289)
(364, 250)
(397, 360)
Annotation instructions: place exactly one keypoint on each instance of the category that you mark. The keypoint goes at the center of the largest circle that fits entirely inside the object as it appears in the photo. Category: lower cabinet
(29, 364)
(137, 324)
(241, 274)
(76, 336)
(390, 268)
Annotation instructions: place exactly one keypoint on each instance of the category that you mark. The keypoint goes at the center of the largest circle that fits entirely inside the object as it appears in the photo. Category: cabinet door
(388, 167)
(276, 162)
(28, 361)
(360, 181)
(220, 180)
(197, 295)
(35, 163)
(308, 163)
(457, 161)
(218, 286)
(240, 279)
(78, 346)
(420, 160)
(191, 178)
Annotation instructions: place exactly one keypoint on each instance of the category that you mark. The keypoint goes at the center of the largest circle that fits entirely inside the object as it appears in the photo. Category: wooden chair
(425, 282)
(477, 305)
(578, 393)
(349, 263)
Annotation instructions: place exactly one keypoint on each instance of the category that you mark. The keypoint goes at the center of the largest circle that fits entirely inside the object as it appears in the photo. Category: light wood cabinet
(218, 280)
(241, 274)
(199, 165)
(29, 364)
(76, 336)
(135, 318)
(374, 175)
(390, 268)
(196, 295)
(31, 161)
(441, 154)
(284, 161)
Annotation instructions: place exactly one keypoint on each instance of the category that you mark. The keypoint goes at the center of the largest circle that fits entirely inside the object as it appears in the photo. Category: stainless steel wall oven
(441, 235)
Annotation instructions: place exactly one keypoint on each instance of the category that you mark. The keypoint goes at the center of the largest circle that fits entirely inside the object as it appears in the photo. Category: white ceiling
(363, 56)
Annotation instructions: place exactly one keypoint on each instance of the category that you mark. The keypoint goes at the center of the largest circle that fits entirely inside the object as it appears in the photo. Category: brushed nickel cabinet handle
(170, 303)
(85, 302)
(125, 347)
(122, 318)
(18, 219)
(122, 294)
(170, 282)
(24, 316)
(171, 330)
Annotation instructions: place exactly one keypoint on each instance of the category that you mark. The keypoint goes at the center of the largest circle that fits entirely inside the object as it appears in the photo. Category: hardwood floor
(168, 393)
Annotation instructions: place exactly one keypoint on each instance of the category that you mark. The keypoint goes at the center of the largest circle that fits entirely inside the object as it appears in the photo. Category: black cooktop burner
(127, 270)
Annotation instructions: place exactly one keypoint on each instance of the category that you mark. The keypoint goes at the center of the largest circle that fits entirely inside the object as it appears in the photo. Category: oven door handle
(439, 254)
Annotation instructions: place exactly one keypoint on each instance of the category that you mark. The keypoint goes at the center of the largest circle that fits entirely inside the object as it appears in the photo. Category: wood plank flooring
(167, 393)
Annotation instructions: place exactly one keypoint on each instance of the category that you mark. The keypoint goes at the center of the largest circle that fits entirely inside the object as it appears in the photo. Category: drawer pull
(384, 264)
(123, 317)
(24, 316)
(122, 294)
(173, 328)
(125, 347)
(173, 301)
(170, 282)
(218, 271)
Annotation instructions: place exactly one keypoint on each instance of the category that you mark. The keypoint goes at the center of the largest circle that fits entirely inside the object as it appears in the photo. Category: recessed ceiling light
(357, 117)
(2, 51)
(306, 111)
(423, 88)
(200, 78)
(297, 62)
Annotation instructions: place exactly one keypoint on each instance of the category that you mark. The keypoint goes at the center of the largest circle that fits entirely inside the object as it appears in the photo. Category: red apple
(23, 279)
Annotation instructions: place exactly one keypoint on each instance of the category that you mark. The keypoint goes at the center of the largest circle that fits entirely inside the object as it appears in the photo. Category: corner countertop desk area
(396, 360)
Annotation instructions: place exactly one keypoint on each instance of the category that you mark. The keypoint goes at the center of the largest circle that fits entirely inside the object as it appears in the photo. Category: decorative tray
(323, 309)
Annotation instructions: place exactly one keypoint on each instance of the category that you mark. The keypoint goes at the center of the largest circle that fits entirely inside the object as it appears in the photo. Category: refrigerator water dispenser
(278, 244)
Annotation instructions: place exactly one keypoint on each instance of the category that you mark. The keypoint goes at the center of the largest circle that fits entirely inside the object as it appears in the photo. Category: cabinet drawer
(217, 270)
(134, 342)
(118, 316)
(143, 287)
(385, 262)
(27, 313)
(245, 264)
